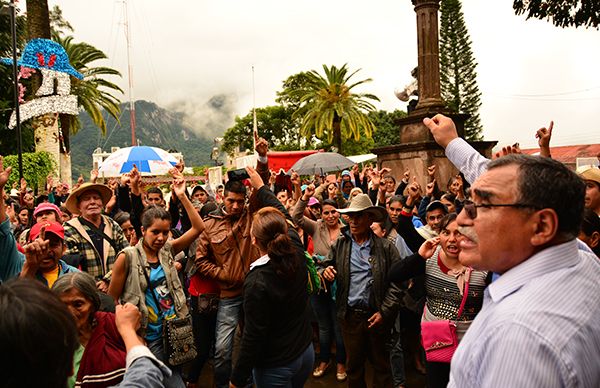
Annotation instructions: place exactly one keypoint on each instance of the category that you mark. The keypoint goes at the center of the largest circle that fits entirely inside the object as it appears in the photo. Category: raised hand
(308, 192)
(178, 184)
(93, 176)
(135, 176)
(295, 178)
(255, 179)
(507, 150)
(36, 251)
(430, 188)
(431, 171)
(406, 175)
(262, 147)
(544, 135)
(5, 174)
(427, 249)
(442, 128)
(23, 185)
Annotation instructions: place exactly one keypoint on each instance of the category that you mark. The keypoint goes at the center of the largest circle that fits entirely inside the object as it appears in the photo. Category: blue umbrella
(149, 161)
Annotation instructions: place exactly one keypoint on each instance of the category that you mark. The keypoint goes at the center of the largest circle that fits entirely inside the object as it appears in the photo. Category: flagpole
(254, 123)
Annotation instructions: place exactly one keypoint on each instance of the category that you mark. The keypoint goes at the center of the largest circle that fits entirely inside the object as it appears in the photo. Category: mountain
(155, 126)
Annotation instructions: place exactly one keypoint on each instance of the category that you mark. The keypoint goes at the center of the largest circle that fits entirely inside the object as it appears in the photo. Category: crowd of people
(489, 280)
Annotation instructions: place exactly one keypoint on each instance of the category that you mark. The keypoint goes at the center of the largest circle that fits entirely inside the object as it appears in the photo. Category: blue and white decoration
(51, 59)
(149, 161)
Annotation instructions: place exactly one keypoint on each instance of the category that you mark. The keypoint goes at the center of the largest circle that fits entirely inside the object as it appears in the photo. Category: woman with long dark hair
(276, 344)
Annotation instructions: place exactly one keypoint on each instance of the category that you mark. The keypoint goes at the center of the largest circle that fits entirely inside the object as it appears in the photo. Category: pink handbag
(439, 337)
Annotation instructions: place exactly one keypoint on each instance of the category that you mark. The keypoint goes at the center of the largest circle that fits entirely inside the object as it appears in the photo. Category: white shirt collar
(260, 261)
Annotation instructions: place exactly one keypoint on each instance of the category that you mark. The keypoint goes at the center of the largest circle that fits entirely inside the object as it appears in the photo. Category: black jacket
(385, 295)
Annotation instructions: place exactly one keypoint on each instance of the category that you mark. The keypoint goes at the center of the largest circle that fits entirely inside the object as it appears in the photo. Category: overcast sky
(185, 52)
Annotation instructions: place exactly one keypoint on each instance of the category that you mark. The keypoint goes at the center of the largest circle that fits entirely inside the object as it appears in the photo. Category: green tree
(562, 13)
(36, 167)
(275, 124)
(458, 78)
(330, 110)
(388, 131)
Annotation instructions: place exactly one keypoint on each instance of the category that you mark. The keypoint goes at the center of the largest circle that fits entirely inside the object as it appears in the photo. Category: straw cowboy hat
(73, 199)
(362, 203)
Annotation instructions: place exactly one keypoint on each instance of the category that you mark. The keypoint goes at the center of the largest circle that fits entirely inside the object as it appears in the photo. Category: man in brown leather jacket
(224, 253)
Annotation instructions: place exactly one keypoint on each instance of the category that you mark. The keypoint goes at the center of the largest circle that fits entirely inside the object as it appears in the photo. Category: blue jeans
(175, 381)
(227, 320)
(291, 375)
(325, 310)
(397, 355)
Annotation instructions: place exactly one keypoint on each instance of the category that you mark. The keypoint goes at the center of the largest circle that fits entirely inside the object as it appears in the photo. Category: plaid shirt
(94, 264)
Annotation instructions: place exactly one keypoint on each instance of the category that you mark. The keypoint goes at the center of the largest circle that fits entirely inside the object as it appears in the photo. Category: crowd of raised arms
(492, 278)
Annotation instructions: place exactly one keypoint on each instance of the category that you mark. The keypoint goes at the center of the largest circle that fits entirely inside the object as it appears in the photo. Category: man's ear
(545, 227)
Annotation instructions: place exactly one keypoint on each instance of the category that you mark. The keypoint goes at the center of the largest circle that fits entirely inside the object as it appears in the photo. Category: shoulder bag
(179, 345)
(439, 337)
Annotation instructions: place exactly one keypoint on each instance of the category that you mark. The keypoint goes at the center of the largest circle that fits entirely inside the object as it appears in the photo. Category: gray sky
(186, 52)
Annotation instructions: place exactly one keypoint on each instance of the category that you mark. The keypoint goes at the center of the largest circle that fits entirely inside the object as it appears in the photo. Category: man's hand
(355, 170)
(295, 178)
(406, 176)
(414, 189)
(513, 149)
(93, 176)
(262, 147)
(442, 128)
(429, 188)
(375, 320)
(36, 251)
(329, 273)
(255, 179)
(428, 248)
(127, 318)
(544, 135)
(308, 192)
(5, 174)
(135, 176)
(23, 185)
(431, 171)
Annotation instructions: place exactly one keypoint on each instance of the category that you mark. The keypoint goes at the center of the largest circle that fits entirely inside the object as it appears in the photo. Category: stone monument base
(417, 156)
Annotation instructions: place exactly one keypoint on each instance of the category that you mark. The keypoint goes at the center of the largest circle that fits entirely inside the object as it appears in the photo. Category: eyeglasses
(471, 208)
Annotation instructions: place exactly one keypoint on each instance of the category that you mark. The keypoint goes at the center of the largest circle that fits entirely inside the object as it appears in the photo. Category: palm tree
(93, 91)
(329, 107)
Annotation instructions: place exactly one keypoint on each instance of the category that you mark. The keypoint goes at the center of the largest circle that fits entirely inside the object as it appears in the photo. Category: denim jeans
(204, 334)
(175, 381)
(325, 310)
(292, 375)
(397, 355)
(227, 320)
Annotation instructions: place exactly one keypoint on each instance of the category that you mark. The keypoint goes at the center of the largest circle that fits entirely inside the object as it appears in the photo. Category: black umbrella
(321, 163)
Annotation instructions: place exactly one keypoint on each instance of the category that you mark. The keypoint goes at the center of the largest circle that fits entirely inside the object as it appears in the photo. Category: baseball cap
(47, 206)
(51, 227)
(345, 172)
(590, 174)
(313, 201)
(436, 205)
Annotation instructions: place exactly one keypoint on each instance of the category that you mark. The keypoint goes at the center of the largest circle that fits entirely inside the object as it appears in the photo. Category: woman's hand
(178, 183)
(255, 179)
(428, 248)
(308, 192)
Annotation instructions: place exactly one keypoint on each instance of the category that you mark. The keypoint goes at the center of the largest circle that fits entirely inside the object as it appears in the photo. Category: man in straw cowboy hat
(367, 303)
(93, 237)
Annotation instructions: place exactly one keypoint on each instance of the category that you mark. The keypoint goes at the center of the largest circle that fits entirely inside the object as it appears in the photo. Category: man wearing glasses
(539, 323)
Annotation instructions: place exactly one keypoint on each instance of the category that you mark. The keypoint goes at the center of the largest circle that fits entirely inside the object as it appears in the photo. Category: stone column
(428, 56)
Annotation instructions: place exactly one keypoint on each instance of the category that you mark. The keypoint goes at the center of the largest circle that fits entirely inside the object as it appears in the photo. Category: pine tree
(457, 68)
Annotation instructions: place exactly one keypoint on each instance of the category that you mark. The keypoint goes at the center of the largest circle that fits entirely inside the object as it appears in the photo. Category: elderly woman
(324, 232)
(100, 359)
(445, 279)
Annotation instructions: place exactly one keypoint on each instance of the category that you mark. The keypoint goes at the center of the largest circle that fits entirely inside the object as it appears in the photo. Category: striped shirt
(539, 325)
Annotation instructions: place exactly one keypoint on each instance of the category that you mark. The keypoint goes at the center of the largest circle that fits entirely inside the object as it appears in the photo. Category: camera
(238, 175)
